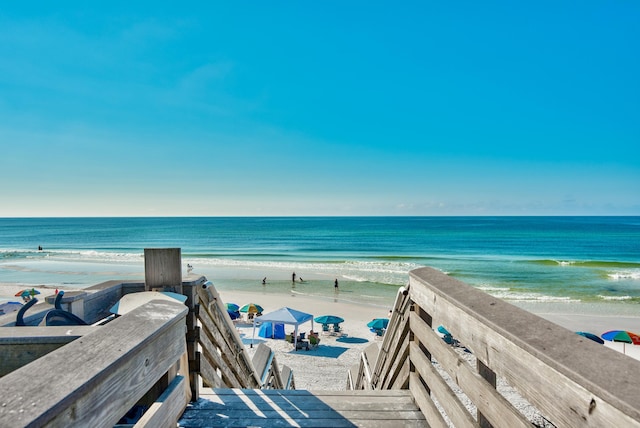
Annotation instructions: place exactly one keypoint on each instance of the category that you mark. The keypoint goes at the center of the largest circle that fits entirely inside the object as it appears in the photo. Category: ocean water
(530, 260)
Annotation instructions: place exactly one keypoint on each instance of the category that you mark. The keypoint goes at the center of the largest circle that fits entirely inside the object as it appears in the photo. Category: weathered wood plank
(401, 354)
(326, 414)
(391, 346)
(21, 345)
(309, 401)
(224, 334)
(166, 411)
(491, 403)
(425, 403)
(120, 361)
(209, 374)
(315, 393)
(536, 356)
(306, 423)
(455, 410)
(269, 408)
(402, 379)
(219, 361)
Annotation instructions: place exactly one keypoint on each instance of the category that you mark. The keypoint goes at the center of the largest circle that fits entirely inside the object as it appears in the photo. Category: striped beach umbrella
(252, 308)
(622, 336)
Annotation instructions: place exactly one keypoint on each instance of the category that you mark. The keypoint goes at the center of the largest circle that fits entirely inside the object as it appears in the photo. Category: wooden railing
(225, 361)
(34, 359)
(570, 380)
(137, 359)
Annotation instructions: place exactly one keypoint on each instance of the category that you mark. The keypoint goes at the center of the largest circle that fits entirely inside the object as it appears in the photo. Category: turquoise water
(520, 259)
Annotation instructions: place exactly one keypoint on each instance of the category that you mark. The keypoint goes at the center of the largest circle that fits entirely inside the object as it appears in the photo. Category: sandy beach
(326, 366)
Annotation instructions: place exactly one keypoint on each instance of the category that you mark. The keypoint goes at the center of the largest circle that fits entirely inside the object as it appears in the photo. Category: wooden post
(193, 335)
(163, 269)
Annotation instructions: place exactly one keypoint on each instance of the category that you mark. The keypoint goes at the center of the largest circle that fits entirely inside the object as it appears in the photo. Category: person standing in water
(293, 277)
(335, 284)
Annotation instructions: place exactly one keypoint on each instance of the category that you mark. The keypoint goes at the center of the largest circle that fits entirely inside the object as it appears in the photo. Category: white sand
(325, 367)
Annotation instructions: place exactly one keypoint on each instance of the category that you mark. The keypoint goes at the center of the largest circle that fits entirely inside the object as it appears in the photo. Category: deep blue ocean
(519, 259)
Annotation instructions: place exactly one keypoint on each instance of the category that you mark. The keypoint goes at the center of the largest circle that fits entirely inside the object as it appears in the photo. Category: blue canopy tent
(286, 316)
(272, 330)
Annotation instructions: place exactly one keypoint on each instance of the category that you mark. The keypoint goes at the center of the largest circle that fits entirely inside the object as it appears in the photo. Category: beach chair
(448, 339)
(325, 329)
(337, 329)
(314, 341)
(302, 344)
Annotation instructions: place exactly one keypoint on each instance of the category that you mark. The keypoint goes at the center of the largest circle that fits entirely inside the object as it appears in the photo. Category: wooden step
(299, 408)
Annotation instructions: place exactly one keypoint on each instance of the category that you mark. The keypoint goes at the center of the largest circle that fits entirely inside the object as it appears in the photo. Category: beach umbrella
(328, 319)
(443, 330)
(590, 336)
(233, 314)
(27, 292)
(622, 336)
(252, 308)
(232, 307)
(378, 323)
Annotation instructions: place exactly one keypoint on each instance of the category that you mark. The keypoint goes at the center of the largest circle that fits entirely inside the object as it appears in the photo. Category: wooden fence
(570, 380)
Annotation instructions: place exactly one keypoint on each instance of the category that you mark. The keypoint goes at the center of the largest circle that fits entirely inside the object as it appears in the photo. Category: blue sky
(326, 108)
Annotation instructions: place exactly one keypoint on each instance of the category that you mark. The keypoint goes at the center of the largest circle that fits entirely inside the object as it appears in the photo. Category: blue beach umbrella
(590, 336)
(232, 307)
(443, 330)
(328, 319)
(378, 323)
(233, 314)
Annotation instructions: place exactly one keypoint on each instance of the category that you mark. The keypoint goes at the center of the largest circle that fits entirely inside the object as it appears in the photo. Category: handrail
(531, 354)
(222, 346)
(98, 378)
(226, 361)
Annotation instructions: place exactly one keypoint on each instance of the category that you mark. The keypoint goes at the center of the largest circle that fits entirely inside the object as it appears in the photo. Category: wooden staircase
(224, 407)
